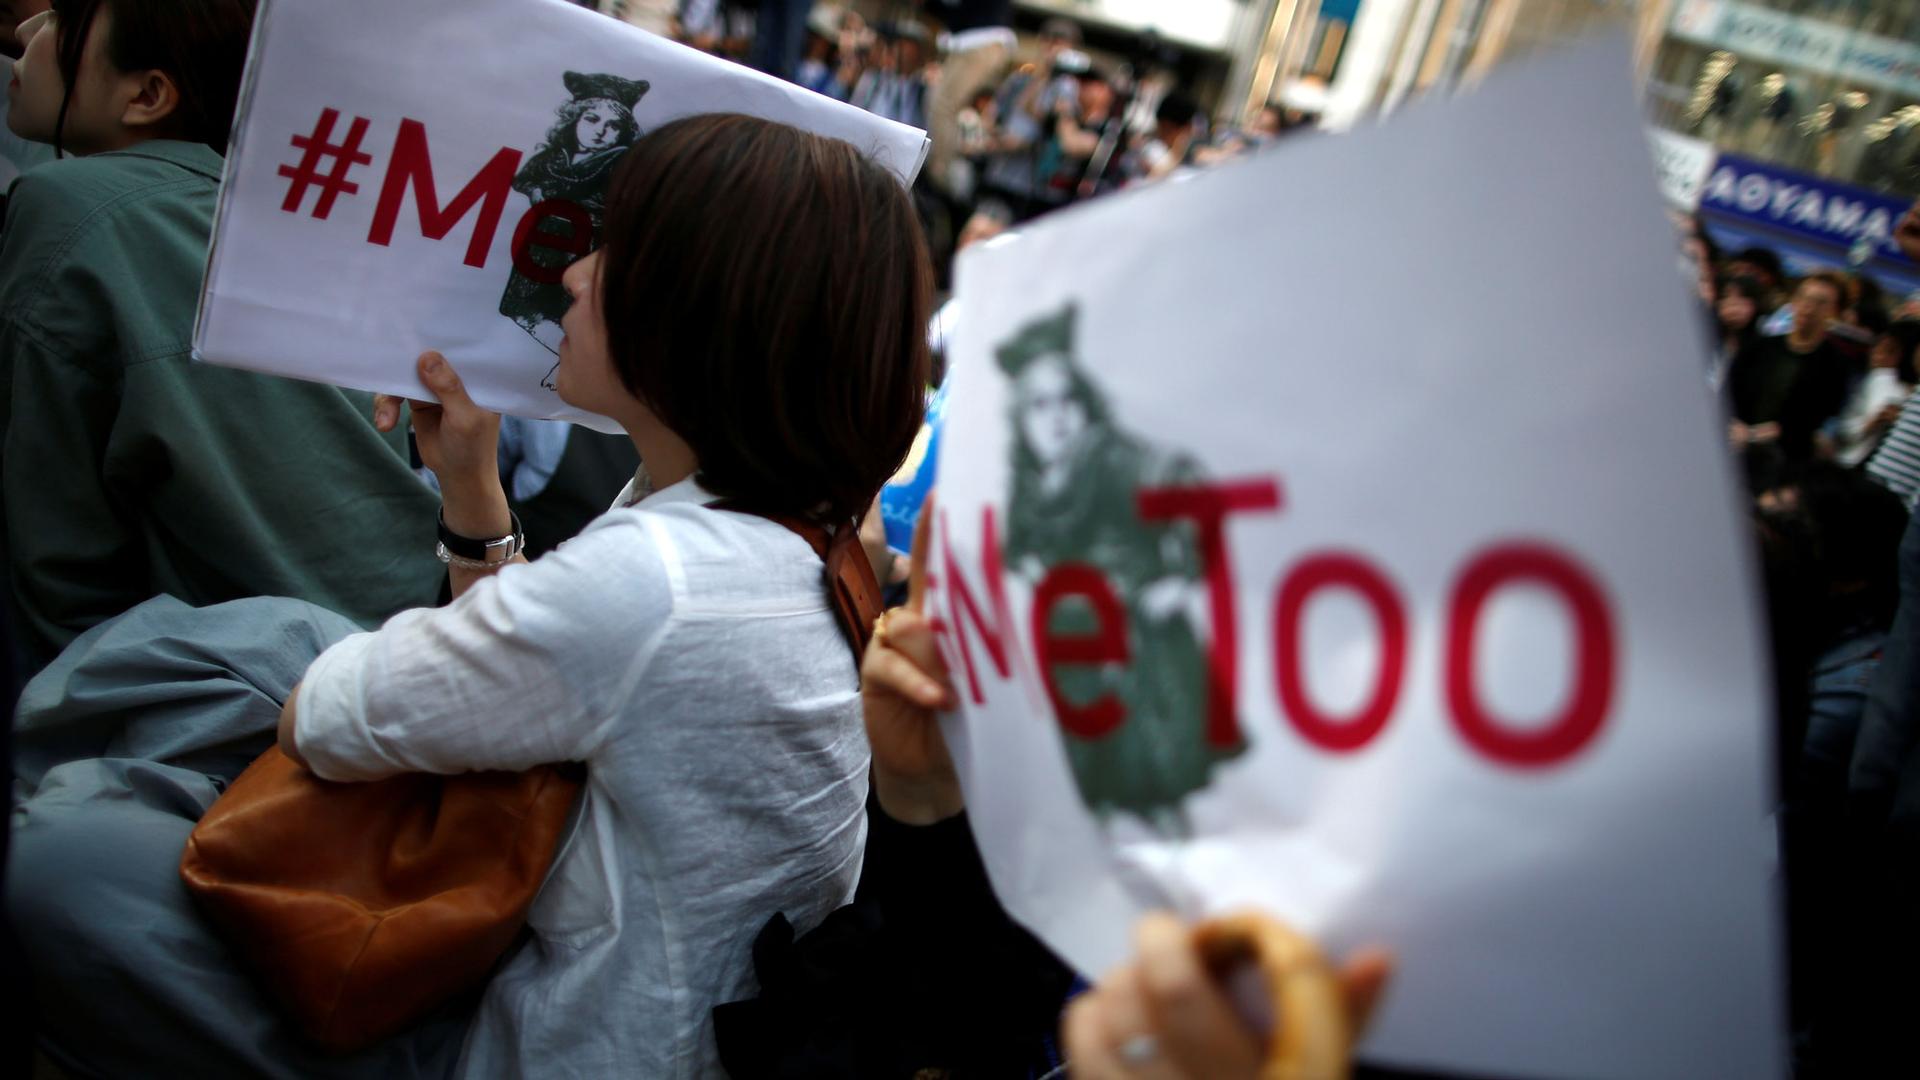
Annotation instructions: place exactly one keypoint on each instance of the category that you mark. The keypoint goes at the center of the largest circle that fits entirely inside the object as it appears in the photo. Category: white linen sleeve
(528, 667)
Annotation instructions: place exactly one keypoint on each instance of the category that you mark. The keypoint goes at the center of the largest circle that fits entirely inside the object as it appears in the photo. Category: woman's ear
(151, 98)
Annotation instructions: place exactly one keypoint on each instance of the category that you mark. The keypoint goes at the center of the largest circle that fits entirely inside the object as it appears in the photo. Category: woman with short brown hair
(755, 322)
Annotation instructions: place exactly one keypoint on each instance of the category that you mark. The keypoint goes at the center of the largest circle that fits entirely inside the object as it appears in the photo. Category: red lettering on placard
(411, 165)
(1106, 645)
(528, 235)
(997, 636)
(1207, 506)
(1593, 664)
(1333, 571)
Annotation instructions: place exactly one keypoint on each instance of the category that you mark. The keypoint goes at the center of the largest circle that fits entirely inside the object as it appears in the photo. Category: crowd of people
(1018, 129)
(1816, 374)
(768, 871)
(212, 569)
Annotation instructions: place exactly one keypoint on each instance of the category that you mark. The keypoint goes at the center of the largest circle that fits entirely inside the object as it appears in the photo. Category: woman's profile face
(37, 89)
(1052, 418)
(598, 127)
(585, 378)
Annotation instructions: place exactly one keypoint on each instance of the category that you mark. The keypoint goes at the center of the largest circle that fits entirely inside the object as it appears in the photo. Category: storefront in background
(1794, 124)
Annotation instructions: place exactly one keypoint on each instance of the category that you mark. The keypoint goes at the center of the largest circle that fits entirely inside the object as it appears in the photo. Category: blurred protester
(1868, 1013)
(826, 68)
(1829, 539)
(1263, 128)
(1026, 107)
(1760, 264)
(1832, 538)
(1700, 258)
(1150, 88)
(1906, 232)
(976, 48)
(1866, 305)
(780, 33)
(1171, 144)
(721, 27)
(976, 125)
(1786, 387)
(895, 86)
(1876, 402)
(1896, 464)
(1737, 322)
(989, 219)
(1067, 163)
(684, 651)
(131, 470)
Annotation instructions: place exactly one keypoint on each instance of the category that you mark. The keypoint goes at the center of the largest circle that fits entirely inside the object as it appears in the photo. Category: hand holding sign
(460, 442)
(1181, 1010)
(902, 682)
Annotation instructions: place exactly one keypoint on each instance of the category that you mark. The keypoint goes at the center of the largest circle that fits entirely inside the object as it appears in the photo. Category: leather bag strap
(852, 589)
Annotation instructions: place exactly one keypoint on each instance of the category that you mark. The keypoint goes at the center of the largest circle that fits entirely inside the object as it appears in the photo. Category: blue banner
(1824, 212)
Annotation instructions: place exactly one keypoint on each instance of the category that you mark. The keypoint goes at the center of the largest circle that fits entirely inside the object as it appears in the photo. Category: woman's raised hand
(460, 442)
(902, 683)
(1168, 1016)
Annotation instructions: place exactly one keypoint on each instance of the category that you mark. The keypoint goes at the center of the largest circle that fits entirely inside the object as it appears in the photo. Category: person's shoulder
(72, 189)
(55, 205)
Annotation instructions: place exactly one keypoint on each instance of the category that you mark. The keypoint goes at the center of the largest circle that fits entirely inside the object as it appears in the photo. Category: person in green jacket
(127, 469)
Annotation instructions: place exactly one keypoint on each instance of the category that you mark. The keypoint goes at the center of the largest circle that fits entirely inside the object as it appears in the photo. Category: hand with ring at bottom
(1172, 1015)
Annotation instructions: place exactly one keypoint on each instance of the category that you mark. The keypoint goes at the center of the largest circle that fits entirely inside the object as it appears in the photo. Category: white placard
(1681, 164)
(1496, 692)
(332, 260)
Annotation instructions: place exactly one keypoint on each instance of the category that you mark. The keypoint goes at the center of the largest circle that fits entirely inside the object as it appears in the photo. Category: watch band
(486, 553)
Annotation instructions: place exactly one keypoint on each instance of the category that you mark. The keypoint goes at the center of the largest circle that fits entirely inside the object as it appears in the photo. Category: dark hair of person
(1869, 304)
(1176, 110)
(1763, 260)
(766, 293)
(200, 44)
(1906, 335)
(1830, 564)
(1835, 281)
(1752, 289)
(1857, 526)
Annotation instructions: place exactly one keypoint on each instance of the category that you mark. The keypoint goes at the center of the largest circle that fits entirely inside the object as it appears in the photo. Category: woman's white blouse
(689, 657)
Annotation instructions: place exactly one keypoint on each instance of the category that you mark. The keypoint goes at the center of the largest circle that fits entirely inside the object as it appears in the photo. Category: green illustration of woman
(1076, 475)
(589, 135)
